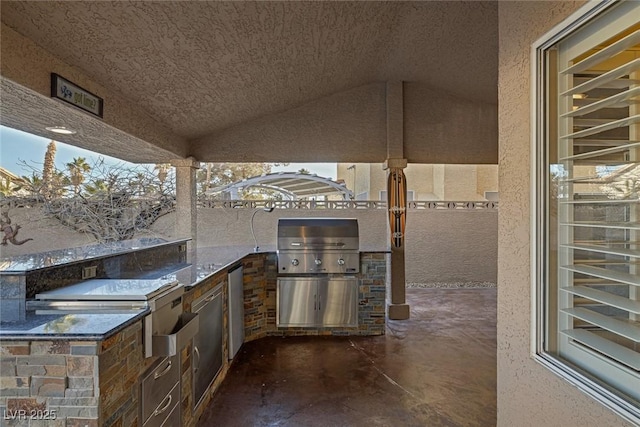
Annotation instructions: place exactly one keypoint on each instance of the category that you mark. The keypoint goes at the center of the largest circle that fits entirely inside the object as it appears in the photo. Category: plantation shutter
(597, 178)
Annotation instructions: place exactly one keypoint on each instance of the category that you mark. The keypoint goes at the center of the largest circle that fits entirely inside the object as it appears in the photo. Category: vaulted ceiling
(198, 68)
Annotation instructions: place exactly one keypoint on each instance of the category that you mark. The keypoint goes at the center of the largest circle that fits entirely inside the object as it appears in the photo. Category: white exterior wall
(528, 393)
(487, 179)
(427, 181)
(420, 180)
(438, 181)
(460, 183)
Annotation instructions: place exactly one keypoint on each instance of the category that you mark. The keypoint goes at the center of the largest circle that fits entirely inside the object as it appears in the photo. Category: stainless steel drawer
(167, 413)
(170, 344)
(157, 384)
(174, 419)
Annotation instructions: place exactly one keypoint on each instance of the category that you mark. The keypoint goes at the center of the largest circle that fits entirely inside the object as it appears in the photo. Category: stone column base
(398, 311)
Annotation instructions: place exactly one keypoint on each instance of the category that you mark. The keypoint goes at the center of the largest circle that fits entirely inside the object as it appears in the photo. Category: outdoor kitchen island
(89, 369)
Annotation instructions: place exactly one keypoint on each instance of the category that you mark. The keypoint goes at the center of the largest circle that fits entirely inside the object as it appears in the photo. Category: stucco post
(398, 308)
(186, 199)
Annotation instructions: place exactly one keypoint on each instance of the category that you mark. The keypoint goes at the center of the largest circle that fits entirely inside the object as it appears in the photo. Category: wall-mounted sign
(63, 89)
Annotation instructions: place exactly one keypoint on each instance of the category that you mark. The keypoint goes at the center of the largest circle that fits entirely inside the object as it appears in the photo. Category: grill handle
(317, 245)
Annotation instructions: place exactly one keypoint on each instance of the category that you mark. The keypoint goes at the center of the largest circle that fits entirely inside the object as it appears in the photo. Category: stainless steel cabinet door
(236, 311)
(338, 302)
(296, 302)
(207, 344)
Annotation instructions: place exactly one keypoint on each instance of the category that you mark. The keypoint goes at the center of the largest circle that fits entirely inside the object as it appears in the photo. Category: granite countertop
(210, 260)
(76, 326)
(37, 261)
(201, 264)
(81, 327)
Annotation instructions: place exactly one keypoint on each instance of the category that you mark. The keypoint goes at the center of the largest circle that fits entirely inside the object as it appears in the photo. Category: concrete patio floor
(436, 369)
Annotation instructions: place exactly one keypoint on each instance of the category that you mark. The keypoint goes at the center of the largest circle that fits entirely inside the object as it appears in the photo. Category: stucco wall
(528, 394)
(47, 234)
(349, 126)
(451, 246)
(26, 81)
(441, 245)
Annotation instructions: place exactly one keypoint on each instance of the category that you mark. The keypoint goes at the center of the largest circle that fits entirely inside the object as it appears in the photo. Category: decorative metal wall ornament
(397, 192)
(10, 232)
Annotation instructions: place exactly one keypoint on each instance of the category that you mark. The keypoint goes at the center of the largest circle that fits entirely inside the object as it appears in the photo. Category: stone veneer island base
(65, 382)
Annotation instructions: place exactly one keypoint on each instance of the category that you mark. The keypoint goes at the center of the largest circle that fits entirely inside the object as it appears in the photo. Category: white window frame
(596, 389)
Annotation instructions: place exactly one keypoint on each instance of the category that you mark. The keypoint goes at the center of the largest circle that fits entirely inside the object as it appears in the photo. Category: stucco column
(186, 200)
(397, 206)
(398, 309)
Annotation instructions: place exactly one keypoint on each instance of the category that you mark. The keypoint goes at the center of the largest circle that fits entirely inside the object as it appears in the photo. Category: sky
(17, 146)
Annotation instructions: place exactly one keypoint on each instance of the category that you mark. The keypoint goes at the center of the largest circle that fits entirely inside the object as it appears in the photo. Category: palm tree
(34, 184)
(58, 183)
(6, 189)
(97, 187)
(78, 168)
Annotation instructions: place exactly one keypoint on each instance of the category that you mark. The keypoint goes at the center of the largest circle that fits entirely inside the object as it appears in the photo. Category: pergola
(293, 185)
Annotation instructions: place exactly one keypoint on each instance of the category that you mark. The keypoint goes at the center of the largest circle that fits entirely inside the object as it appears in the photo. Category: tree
(217, 174)
(48, 170)
(33, 184)
(97, 186)
(162, 170)
(114, 201)
(6, 187)
(78, 168)
(110, 202)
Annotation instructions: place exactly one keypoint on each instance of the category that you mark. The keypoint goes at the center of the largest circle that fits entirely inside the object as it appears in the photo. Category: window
(587, 205)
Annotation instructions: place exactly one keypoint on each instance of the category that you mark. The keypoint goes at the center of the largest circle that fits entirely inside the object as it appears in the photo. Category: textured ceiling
(201, 66)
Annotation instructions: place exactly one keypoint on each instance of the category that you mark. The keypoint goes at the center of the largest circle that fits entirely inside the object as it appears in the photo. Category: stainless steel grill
(318, 245)
(318, 260)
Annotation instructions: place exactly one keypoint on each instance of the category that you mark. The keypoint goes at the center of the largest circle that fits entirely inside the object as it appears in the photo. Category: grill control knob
(295, 262)
(318, 261)
(340, 261)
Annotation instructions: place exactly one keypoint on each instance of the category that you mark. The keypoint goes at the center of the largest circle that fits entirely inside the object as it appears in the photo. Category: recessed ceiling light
(61, 130)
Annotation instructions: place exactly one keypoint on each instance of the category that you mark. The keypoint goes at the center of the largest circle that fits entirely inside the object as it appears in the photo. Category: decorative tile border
(452, 285)
(212, 203)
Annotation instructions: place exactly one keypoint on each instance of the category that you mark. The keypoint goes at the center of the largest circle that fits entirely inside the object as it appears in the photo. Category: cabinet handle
(196, 353)
(164, 371)
(319, 302)
(159, 410)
